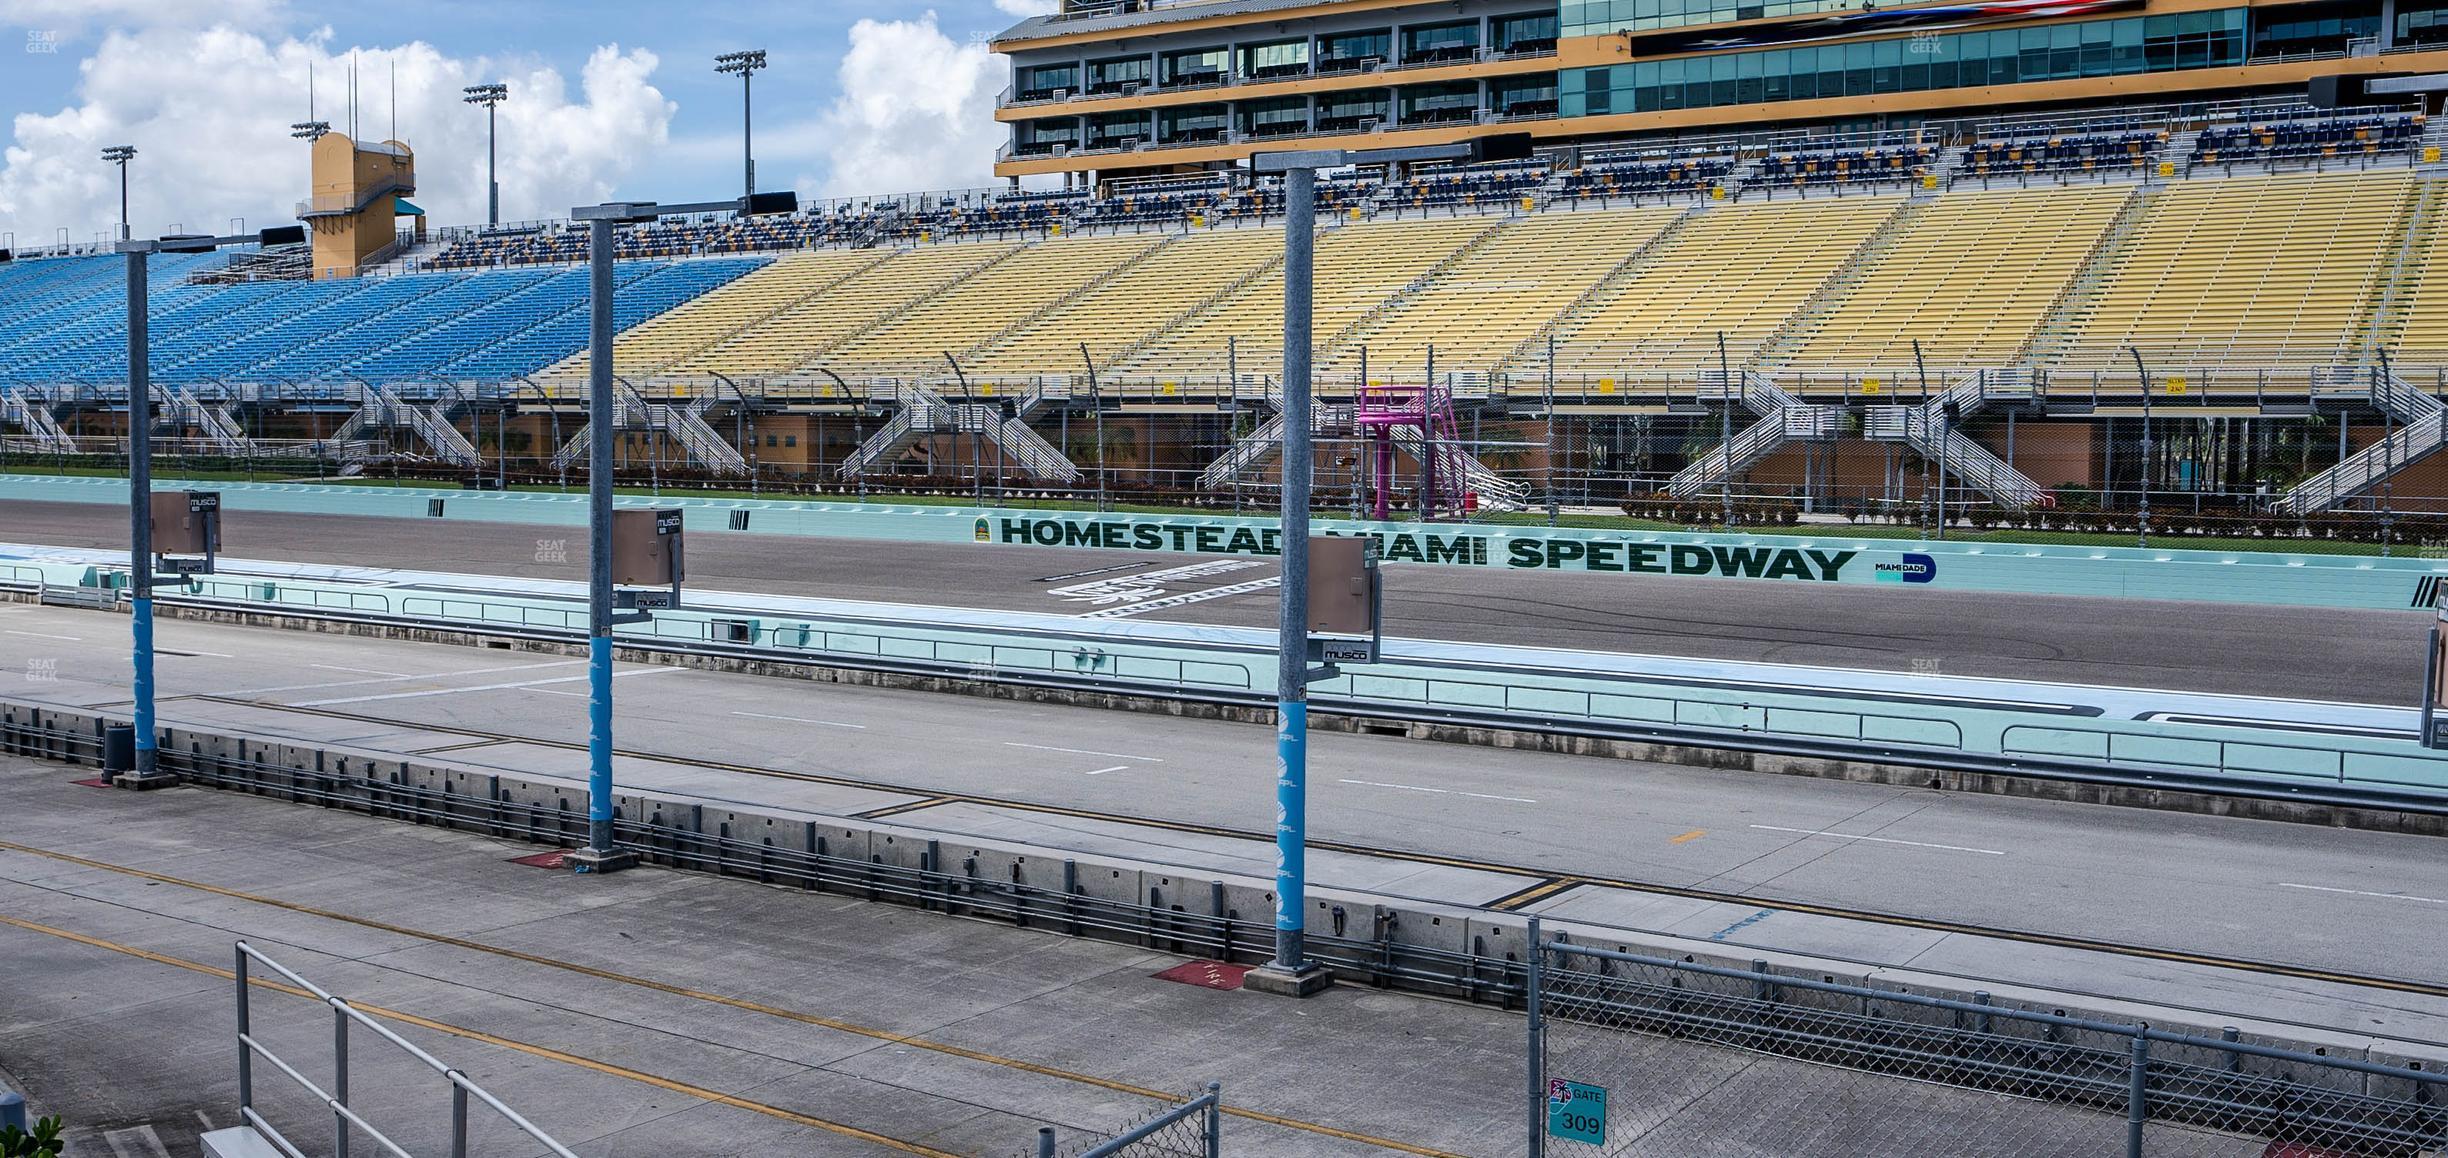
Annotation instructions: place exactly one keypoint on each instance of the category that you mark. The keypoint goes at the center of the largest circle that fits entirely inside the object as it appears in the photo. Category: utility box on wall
(646, 549)
(187, 523)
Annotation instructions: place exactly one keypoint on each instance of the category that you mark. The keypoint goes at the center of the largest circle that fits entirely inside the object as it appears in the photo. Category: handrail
(335, 1099)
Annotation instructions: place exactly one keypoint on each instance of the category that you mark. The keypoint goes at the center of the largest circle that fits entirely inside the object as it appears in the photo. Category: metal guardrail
(2222, 761)
(2080, 1062)
(346, 1120)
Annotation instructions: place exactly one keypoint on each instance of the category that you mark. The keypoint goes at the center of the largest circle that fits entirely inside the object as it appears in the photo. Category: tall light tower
(745, 64)
(489, 95)
(120, 155)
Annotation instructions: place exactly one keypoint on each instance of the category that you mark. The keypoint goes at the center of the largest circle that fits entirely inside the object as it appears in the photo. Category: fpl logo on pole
(1912, 568)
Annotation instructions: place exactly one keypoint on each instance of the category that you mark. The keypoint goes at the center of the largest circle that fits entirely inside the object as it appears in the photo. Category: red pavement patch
(550, 860)
(1208, 974)
(96, 782)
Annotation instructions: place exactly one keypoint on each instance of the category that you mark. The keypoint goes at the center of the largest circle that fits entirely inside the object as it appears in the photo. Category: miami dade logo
(1912, 568)
(983, 534)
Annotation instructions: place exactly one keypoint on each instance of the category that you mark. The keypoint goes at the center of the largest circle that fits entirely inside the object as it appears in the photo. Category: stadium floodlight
(120, 155)
(746, 65)
(310, 131)
(601, 854)
(146, 771)
(489, 95)
(1291, 972)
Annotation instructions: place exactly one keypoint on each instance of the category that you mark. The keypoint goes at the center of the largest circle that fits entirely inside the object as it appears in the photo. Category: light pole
(600, 853)
(120, 155)
(489, 95)
(2142, 511)
(147, 772)
(745, 64)
(1291, 972)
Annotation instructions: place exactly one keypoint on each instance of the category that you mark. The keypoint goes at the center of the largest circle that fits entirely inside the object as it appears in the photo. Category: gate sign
(1576, 1112)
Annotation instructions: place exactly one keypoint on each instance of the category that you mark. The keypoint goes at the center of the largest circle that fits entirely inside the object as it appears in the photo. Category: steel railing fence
(346, 1121)
(1586, 1003)
(1193, 1129)
(2174, 1093)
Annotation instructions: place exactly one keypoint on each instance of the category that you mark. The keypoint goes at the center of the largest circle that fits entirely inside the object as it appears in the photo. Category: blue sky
(206, 89)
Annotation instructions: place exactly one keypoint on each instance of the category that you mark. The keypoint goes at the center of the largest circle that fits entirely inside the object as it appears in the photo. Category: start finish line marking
(1186, 598)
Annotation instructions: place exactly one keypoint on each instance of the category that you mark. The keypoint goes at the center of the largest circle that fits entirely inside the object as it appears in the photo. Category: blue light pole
(1291, 972)
(601, 854)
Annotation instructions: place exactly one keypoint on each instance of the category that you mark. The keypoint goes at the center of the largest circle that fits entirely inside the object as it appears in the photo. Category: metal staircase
(2424, 430)
(212, 421)
(687, 426)
(1929, 429)
(382, 408)
(1495, 491)
(31, 414)
(1783, 418)
(925, 414)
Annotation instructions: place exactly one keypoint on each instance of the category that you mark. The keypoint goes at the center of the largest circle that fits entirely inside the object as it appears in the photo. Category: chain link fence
(1978, 1079)
(1193, 1129)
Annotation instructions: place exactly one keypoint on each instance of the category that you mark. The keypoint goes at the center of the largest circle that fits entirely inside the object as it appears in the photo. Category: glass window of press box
(1430, 104)
(1280, 59)
(1354, 51)
(1044, 81)
(1530, 32)
(1599, 17)
(1524, 96)
(1341, 112)
(1115, 130)
(1282, 116)
(2312, 29)
(1036, 138)
(2424, 25)
(1191, 124)
(1196, 66)
(1962, 60)
(1113, 76)
(1429, 43)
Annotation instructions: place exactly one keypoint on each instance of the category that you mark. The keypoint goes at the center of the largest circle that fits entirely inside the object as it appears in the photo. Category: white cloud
(208, 111)
(915, 111)
(1027, 8)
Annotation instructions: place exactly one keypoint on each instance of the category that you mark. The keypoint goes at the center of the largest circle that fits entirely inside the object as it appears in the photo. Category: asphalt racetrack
(2293, 652)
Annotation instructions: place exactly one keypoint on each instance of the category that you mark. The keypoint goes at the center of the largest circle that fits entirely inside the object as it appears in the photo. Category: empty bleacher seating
(1737, 270)
(1509, 289)
(1493, 185)
(2260, 271)
(2310, 135)
(1133, 306)
(1607, 178)
(1360, 267)
(672, 337)
(1810, 164)
(2038, 149)
(1971, 278)
(984, 305)
(798, 335)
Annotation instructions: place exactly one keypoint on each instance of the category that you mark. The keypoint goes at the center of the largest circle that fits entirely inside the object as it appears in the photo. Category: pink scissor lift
(1419, 419)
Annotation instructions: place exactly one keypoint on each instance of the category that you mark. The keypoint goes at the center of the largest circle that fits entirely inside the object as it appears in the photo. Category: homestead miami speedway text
(1459, 548)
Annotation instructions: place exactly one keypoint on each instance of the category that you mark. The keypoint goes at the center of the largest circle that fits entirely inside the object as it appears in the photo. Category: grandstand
(2038, 250)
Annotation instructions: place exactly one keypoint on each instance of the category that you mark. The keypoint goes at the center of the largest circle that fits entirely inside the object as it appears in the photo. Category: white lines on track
(365, 671)
(2361, 893)
(1876, 839)
(1115, 768)
(798, 720)
(521, 685)
(1185, 599)
(46, 635)
(1438, 791)
(437, 675)
(1085, 752)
